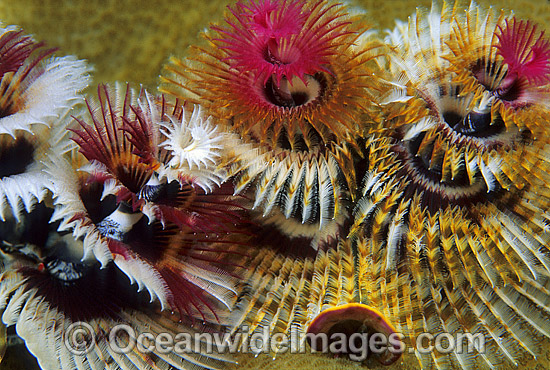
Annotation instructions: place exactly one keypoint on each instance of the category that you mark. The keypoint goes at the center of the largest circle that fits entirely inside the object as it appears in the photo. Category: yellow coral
(124, 40)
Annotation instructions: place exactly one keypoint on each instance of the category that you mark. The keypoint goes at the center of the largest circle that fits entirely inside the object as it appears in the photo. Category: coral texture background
(130, 40)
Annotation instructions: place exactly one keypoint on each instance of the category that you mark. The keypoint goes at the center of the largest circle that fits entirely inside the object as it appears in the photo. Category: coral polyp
(524, 51)
(15, 47)
(291, 80)
(38, 92)
(133, 141)
(167, 235)
(353, 318)
(451, 201)
(49, 293)
(196, 146)
(280, 39)
(504, 61)
(280, 83)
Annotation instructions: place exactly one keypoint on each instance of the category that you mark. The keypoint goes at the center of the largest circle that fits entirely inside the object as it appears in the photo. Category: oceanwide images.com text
(80, 338)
